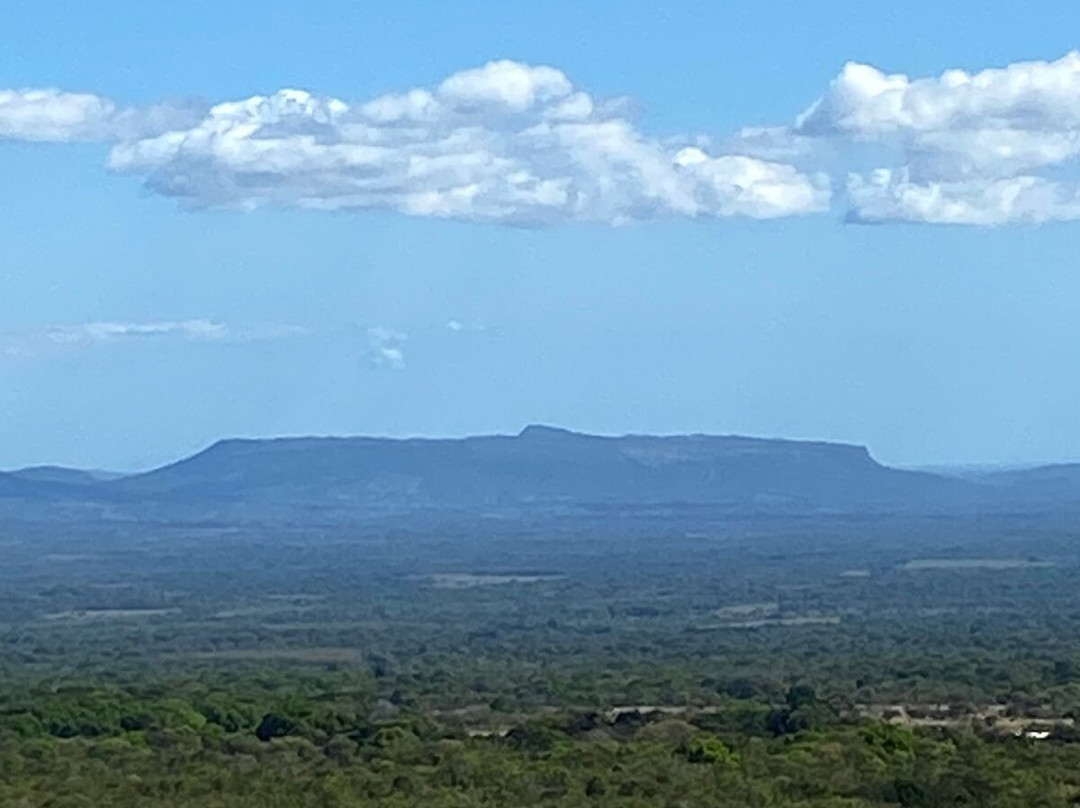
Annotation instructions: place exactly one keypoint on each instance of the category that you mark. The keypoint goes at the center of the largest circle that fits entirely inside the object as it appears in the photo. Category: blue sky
(151, 304)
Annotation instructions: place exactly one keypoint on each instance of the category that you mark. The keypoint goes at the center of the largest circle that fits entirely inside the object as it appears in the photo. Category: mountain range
(541, 469)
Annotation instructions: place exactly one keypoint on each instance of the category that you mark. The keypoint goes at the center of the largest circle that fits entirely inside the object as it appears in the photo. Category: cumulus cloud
(887, 195)
(1023, 95)
(988, 148)
(521, 144)
(386, 347)
(506, 142)
(52, 116)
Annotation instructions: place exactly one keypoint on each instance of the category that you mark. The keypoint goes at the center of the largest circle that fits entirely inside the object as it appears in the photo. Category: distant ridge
(542, 468)
(64, 476)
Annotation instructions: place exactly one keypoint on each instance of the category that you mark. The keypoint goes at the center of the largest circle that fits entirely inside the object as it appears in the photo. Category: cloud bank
(521, 144)
(507, 142)
(988, 148)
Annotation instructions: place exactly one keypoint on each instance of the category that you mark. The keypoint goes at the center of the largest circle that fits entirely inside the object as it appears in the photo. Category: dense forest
(677, 658)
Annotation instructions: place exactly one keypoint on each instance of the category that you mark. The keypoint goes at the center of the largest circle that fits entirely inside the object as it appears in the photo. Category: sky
(837, 221)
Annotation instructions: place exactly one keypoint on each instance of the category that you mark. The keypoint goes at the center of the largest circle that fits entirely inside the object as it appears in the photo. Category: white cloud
(1029, 96)
(770, 143)
(115, 331)
(49, 340)
(458, 327)
(521, 144)
(886, 196)
(508, 85)
(59, 117)
(51, 115)
(991, 152)
(968, 145)
(507, 142)
(386, 347)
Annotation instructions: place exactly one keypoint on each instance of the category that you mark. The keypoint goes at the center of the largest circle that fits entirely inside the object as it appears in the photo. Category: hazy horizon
(928, 467)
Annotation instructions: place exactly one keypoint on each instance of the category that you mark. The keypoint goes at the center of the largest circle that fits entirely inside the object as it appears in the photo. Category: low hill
(64, 476)
(1044, 486)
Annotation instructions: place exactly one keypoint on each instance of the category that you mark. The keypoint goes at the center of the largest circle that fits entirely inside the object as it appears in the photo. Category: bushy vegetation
(324, 742)
(672, 659)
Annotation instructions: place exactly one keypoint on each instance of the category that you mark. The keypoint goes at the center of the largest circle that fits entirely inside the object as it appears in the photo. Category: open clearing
(918, 564)
(770, 622)
(107, 614)
(313, 655)
(466, 580)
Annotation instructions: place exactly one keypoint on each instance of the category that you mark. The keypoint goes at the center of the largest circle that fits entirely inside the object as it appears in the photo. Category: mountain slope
(14, 486)
(22, 498)
(1045, 486)
(541, 467)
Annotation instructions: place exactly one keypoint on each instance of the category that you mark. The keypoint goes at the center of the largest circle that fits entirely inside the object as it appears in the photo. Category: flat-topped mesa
(540, 466)
(701, 447)
(544, 431)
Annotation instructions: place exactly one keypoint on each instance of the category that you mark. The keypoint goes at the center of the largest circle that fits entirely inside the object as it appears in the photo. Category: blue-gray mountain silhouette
(540, 468)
